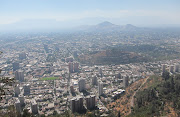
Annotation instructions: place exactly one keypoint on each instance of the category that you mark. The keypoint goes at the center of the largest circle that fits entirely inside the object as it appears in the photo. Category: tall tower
(70, 67)
(76, 67)
(171, 69)
(176, 68)
(82, 84)
(118, 75)
(26, 89)
(125, 81)
(100, 72)
(18, 106)
(19, 75)
(163, 68)
(15, 66)
(34, 106)
(16, 90)
(90, 102)
(76, 104)
(94, 80)
(100, 88)
(22, 56)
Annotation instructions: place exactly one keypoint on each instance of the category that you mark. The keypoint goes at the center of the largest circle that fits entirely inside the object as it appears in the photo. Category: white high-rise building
(100, 88)
(82, 84)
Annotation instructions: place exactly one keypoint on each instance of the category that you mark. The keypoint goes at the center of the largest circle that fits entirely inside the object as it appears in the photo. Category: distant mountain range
(53, 25)
(108, 26)
(67, 26)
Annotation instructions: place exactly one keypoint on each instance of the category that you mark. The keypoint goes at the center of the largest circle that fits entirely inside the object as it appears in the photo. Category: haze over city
(65, 14)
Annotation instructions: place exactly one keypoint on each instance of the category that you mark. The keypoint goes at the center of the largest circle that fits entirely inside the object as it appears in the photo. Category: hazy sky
(119, 11)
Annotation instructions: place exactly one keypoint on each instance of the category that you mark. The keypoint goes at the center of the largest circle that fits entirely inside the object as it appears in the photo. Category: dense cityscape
(49, 77)
(89, 58)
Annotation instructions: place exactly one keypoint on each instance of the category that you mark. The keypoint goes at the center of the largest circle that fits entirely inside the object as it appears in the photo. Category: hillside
(159, 97)
(123, 104)
(111, 57)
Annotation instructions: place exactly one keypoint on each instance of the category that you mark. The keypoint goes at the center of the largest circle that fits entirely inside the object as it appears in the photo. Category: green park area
(49, 78)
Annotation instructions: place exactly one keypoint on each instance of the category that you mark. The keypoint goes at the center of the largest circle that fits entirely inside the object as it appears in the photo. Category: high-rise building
(82, 84)
(69, 59)
(100, 88)
(90, 102)
(22, 56)
(163, 68)
(21, 99)
(94, 80)
(176, 68)
(76, 104)
(76, 67)
(71, 69)
(26, 89)
(15, 66)
(17, 106)
(100, 72)
(72, 89)
(125, 81)
(19, 75)
(34, 106)
(118, 75)
(16, 90)
(171, 69)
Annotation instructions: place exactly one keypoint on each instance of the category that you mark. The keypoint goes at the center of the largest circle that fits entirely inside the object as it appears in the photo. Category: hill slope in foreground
(153, 96)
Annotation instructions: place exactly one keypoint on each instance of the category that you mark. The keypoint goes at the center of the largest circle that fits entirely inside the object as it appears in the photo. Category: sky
(137, 12)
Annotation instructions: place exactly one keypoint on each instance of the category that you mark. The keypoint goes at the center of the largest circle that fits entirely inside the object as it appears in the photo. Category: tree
(119, 114)
(165, 75)
(26, 113)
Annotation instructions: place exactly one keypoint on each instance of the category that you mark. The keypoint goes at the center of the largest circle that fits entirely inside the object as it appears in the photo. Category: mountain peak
(106, 23)
(130, 25)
